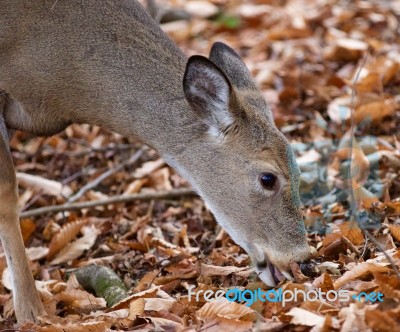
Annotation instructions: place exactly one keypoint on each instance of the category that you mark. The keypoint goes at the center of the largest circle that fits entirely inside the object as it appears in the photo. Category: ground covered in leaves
(329, 69)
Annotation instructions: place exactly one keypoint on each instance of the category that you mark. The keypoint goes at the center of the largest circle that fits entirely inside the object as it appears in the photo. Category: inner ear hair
(208, 92)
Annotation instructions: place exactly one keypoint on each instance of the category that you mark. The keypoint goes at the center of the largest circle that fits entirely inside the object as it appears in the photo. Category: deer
(107, 63)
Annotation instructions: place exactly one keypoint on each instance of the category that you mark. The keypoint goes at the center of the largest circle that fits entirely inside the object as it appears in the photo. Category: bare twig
(381, 248)
(105, 175)
(184, 192)
(353, 203)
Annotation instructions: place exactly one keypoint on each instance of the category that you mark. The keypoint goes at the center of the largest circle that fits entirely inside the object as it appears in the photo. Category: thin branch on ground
(105, 175)
(381, 248)
(353, 203)
(176, 193)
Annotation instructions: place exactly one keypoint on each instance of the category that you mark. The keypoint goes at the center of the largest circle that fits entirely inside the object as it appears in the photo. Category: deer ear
(208, 92)
(232, 66)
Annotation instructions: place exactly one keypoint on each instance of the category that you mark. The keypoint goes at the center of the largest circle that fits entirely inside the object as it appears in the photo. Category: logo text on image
(280, 295)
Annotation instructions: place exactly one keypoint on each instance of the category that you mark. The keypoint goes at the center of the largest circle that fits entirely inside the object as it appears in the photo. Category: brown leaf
(392, 208)
(148, 168)
(229, 310)
(389, 285)
(136, 308)
(213, 270)
(380, 321)
(67, 233)
(81, 300)
(324, 282)
(374, 111)
(305, 317)
(395, 231)
(28, 227)
(76, 248)
(46, 186)
(299, 277)
(358, 271)
(352, 231)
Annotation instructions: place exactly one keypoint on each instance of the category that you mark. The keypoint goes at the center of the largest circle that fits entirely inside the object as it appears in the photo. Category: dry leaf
(393, 208)
(381, 321)
(64, 237)
(201, 9)
(81, 300)
(352, 231)
(136, 308)
(374, 112)
(213, 270)
(28, 227)
(358, 271)
(305, 317)
(36, 253)
(324, 282)
(148, 168)
(395, 231)
(76, 248)
(49, 187)
(229, 310)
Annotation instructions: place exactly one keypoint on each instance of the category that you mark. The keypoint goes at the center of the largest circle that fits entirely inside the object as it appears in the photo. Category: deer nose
(308, 268)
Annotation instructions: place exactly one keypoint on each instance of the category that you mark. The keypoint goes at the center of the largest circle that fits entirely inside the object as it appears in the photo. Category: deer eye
(268, 180)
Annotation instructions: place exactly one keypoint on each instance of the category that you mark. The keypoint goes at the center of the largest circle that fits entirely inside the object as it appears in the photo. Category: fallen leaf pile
(331, 72)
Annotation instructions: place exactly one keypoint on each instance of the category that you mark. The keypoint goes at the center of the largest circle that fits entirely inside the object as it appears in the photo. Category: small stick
(183, 192)
(381, 248)
(105, 175)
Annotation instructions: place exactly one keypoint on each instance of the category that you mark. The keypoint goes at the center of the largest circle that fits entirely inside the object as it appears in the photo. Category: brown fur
(107, 63)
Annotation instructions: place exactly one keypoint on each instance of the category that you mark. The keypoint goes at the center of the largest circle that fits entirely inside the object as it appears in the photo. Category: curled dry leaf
(156, 304)
(200, 8)
(6, 279)
(229, 310)
(121, 313)
(374, 111)
(81, 300)
(136, 308)
(349, 49)
(66, 234)
(148, 168)
(49, 187)
(393, 208)
(354, 318)
(380, 321)
(358, 271)
(135, 186)
(160, 179)
(67, 325)
(324, 282)
(213, 270)
(299, 277)
(304, 317)
(395, 231)
(28, 227)
(147, 280)
(36, 253)
(76, 248)
(389, 285)
(47, 297)
(148, 293)
(352, 231)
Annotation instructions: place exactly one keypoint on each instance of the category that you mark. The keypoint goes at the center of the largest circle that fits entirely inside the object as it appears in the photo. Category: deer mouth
(272, 275)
